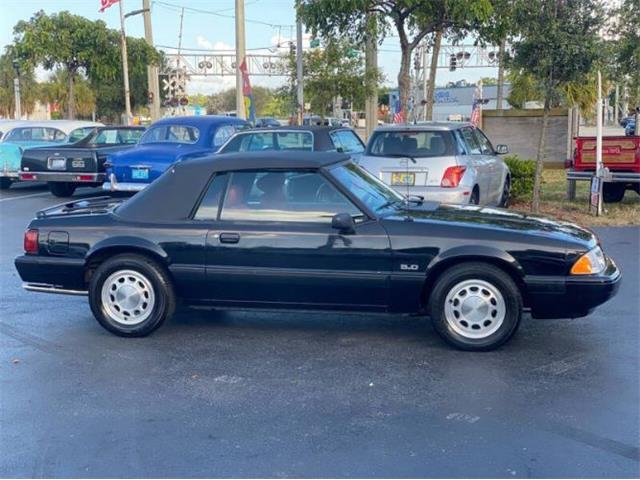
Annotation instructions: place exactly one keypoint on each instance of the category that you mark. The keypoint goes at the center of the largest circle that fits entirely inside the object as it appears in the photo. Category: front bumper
(113, 185)
(572, 296)
(52, 274)
(72, 177)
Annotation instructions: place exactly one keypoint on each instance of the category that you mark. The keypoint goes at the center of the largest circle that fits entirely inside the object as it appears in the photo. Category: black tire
(474, 199)
(5, 183)
(612, 192)
(164, 302)
(506, 192)
(488, 274)
(62, 189)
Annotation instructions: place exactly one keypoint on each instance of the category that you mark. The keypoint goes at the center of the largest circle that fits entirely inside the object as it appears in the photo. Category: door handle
(229, 237)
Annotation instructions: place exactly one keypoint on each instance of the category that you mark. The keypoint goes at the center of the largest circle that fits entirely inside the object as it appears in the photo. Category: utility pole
(371, 74)
(299, 72)
(240, 54)
(125, 65)
(16, 90)
(152, 70)
(425, 80)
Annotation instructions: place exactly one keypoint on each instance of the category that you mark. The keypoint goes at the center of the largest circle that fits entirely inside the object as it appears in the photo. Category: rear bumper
(617, 177)
(52, 274)
(572, 296)
(73, 177)
(457, 195)
(113, 185)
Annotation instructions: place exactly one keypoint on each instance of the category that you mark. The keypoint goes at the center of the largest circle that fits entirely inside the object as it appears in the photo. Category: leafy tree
(29, 91)
(63, 40)
(412, 20)
(559, 45)
(626, 31)
(55, 92)
(225, 101)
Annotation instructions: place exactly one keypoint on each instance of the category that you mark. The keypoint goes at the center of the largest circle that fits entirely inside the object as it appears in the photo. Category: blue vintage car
(18, 136)
(165, 142)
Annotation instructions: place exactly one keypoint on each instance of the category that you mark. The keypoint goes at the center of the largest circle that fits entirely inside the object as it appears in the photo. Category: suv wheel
(62, 189)
(5, 182)
(131, 295)
(506, 190)
(475, 306)
(474, 199)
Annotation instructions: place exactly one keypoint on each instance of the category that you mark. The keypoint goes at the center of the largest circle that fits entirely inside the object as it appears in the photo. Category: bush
(523, 173)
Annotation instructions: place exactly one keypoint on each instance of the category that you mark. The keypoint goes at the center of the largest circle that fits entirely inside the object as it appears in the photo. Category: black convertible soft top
(172, 196)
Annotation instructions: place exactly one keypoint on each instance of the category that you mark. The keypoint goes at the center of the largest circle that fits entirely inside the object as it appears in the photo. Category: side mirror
(502, 149)
(343, 222)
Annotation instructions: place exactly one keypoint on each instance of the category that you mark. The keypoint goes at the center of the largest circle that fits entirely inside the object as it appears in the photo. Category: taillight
(31, 241)
(452, 176)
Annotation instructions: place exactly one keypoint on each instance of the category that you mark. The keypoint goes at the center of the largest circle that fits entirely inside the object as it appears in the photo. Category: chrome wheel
(128, 297)
(474, 309)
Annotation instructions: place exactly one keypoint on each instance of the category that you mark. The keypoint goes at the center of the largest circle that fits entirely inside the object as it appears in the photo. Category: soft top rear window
(438, 143)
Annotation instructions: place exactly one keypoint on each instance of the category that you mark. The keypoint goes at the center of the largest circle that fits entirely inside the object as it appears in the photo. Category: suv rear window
(414, 143)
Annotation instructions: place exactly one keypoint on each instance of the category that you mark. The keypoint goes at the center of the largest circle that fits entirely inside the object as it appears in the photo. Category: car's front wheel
(131, 295)
(475, 306)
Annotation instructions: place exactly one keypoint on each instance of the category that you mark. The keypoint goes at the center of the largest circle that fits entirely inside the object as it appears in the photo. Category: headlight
(592, 262)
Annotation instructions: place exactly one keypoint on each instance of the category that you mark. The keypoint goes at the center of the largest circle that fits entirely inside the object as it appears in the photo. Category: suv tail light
(452, 176)
(31, 241)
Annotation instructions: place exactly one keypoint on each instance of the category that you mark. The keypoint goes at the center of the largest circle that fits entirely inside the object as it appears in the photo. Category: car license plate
(140, 174)
(57, 163)
(403, 178)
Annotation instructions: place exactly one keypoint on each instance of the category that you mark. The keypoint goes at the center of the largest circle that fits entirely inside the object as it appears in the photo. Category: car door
(271, 243)
(491, 160)
(478, 162)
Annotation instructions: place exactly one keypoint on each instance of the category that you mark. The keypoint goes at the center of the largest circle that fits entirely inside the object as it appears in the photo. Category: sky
(206, 31)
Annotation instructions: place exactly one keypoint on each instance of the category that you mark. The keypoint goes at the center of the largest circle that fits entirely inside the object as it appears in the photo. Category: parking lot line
(24, 196)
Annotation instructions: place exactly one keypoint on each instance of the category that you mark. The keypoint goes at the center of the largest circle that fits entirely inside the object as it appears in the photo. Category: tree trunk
(404, 80)
(500, 93)
(537, 183)
(71, 101)
(431, 86)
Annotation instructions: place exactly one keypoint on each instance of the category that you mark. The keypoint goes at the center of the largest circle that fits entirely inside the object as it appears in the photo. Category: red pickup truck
(620, 154)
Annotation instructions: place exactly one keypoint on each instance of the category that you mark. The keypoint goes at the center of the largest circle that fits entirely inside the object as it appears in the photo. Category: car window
(117, 136)
(420, 144)
(368, 189)
(260, 141)
(171, 134)
(223, 133)
(347, 140)
(79, 133)
(302, 141)
(36, 134)
(208, 208)
(470, 139)
(271, 196)
(485, 144)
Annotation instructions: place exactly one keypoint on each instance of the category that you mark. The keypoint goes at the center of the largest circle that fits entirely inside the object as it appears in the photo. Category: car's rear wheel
(613, 192)
(506, 191)
(131, 295)
(62, 189)
(475, 306)
(5, 183)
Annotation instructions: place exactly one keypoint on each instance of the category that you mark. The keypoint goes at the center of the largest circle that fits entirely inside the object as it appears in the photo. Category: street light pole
(240, 53)
(125, 65)
(16, 91)
(152, 70)
(299, 72)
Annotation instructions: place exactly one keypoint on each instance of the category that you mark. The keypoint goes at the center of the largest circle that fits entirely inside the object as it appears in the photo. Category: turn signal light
(31, 241)
(592, 262)
(452, 176)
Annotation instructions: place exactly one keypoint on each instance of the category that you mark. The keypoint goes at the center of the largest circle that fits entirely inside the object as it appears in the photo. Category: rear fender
(127, 243)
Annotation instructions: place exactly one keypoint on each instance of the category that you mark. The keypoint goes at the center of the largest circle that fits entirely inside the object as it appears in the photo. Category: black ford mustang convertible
(311, 231)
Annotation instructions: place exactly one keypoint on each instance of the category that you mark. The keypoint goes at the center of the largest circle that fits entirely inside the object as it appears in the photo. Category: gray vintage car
(450, 162)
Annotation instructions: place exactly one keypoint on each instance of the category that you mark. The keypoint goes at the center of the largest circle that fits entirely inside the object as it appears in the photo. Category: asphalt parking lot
(254, 394)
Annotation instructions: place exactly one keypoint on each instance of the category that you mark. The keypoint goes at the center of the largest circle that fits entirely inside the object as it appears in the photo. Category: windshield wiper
(418, 199)
(388, 204)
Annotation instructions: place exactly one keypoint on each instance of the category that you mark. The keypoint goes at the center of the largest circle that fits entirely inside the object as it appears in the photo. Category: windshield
(367, 188)
(171, 134)
(437, 143)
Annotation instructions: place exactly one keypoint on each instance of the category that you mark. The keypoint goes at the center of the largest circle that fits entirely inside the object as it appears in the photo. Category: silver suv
(449, 162)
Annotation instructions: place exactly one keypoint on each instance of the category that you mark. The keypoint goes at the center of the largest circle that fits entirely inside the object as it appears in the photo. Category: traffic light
(453, 63)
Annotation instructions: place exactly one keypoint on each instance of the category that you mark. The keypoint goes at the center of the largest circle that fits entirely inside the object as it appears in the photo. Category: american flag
(104, 4)
(398, 115)
(475, 110)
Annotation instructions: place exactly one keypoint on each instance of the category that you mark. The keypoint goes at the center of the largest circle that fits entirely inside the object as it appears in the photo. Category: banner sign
(104, 4)
(247, 93)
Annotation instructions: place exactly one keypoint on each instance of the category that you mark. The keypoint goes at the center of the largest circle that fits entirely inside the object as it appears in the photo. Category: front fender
(474, 253)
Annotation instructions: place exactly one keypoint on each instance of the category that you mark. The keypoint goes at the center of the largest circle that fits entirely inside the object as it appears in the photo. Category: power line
(177, 8)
